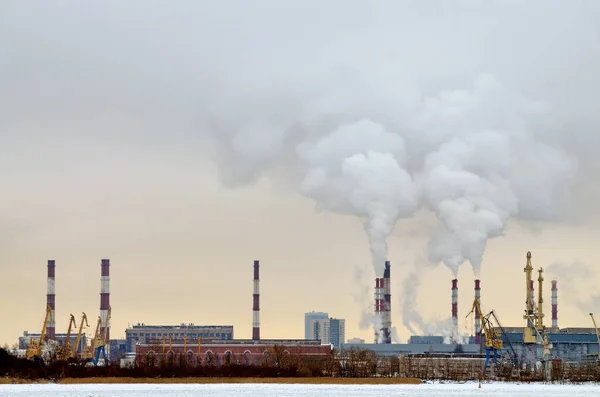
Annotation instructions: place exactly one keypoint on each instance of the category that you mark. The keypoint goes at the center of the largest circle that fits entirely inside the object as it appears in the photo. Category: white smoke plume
(490, 168)
(373, 110)
(577, 285)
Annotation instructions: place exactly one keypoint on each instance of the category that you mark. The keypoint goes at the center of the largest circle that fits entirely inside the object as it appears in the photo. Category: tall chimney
(477, 314)
(105, 296)
(256, 305)
(377, 310)
(554, 304)
(51, 301)
(455, 306)
(387, 308)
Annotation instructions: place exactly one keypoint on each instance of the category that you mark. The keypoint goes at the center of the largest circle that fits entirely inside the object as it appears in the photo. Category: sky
(184, 140)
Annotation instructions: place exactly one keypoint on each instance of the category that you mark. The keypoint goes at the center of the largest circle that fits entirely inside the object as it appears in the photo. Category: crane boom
(597, 332)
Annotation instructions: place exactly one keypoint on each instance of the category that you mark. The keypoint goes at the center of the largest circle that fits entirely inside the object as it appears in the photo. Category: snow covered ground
(280, 390)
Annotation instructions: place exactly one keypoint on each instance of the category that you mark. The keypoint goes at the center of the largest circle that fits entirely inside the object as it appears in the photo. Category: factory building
(434, 346)
(144, 334)
(245, 352)
(216, 345)
(60, 338)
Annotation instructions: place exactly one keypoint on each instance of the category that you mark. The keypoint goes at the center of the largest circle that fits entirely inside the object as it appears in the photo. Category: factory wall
(566, 346)
(248, 352)
(415, 348)
(142, 333)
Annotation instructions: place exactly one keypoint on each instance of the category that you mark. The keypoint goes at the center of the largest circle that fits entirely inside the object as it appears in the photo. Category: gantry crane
(100, 340)
(65, 351)
(34, 351)
(493, 338)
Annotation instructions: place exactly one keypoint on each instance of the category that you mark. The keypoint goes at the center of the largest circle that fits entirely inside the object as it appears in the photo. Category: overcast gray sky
(185, 139)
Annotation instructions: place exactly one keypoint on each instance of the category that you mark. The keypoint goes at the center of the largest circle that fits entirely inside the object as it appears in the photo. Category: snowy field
(281, 390)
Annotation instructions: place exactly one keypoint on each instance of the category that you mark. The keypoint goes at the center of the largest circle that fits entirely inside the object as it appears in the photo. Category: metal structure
(554, 305)
(105, 296)
(256, 304)
(34, 351)
(51, 300)
(454, 307)
(493, 337)
(100, 341)
(79, 334)
(539, 315)
(65, 351)
(597, 332)
(529, 332)
(379, 308)
(387, 304)
(477, 314)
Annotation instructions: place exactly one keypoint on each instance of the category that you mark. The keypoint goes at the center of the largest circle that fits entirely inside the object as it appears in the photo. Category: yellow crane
(597, 333)
(100, 340)
(493, 337)
(65, 351)
(79, 333)
(34, 351)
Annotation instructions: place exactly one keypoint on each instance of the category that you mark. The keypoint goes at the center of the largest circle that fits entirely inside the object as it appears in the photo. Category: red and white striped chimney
(105, 296)
(455, 305)
(379, 307)
(554, 304)
(256, 305)
(387, 305)
(477, 314)
(51, 301)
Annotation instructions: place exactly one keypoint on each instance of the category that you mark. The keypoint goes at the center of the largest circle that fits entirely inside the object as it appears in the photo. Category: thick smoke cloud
(481, 112)
(577, 284)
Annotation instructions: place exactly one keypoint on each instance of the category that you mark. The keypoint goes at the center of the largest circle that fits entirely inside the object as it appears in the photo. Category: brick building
(218, 352)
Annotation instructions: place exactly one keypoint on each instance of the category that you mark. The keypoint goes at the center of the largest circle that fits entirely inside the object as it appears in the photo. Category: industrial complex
(527, 345)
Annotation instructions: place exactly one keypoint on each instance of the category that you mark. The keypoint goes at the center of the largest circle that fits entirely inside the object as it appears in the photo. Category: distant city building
(308, 328)
(60, 338)
(337, 332)
(117, 349)
(355, 341)
(321, 327)
(146, 334)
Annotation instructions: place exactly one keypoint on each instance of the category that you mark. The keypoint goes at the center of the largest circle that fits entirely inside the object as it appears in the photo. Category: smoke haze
(480, 112)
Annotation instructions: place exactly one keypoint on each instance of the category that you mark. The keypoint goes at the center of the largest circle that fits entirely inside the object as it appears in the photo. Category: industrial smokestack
(477, 314)
(51, 301)
(554, 304)
(387, 302)
(105, 296)
(256, 305)
(377, 311)
(455, 307)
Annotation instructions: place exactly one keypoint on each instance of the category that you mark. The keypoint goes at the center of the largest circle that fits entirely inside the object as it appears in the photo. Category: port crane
(493, 337)
(34, 350)
(65, 352)
(79, 333)
(597, 332)
(100, 340)
(68, 351)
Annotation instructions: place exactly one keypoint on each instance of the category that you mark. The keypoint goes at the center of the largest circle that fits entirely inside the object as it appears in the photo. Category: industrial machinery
(597, 333)
(79, 333)
(65, 351)
(493, 337)
(100, 341)
(34, 351)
